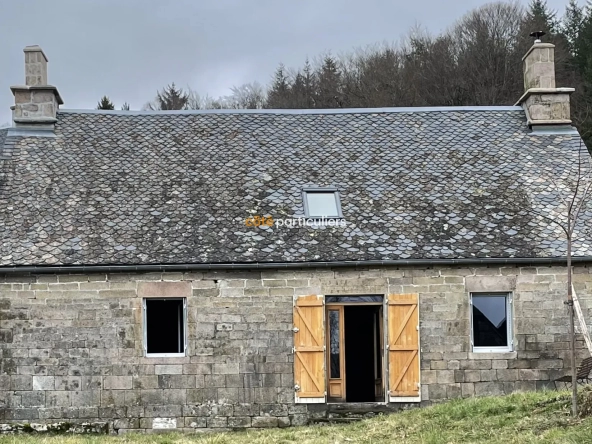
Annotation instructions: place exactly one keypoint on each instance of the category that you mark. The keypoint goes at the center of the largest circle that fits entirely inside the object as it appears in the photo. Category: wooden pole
(572, 334)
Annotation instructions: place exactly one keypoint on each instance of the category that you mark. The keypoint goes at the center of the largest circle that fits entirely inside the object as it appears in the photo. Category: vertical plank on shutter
(309, 349)
(403, 339)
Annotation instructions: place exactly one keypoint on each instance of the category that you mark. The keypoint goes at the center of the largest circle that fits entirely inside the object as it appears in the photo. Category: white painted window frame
(145, 328)
(509, 322)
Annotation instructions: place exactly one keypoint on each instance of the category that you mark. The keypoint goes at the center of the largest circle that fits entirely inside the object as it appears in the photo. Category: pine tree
(309, 86)
(278, 95)
(583, 45)
(540, 14)
(329, 88)
(170, 98)
(571, 25)
(125, 106)
(297, 92)
(583, 64)
(105, 103)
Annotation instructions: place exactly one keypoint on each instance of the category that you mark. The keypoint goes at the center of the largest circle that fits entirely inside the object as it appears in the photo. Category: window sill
(164, 355)
(502, 354)
(166, 359)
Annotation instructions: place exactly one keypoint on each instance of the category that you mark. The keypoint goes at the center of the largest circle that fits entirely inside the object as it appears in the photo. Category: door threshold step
(349, 412)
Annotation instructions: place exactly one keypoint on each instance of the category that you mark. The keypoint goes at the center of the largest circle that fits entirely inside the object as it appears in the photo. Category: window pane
(337, 299)
(334, 343)
(322, 204)
(165, 332)
(490, 327)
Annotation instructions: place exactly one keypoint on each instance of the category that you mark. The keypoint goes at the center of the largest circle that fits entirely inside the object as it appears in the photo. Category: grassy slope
(541, 417)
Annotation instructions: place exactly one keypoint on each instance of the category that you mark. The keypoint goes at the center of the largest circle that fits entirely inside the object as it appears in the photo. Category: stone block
(57, 399)
(43, 382)
(195, 422)
(21, 382)
(164, 423)
(429, 376)
(499, 364)
(225, 369)
(472, 375)
(67, 383)
(239, 422)
(32, 399)
(217, 422)
(488, 375)
(117, 382)
(507, 374)
(164, 289)
(164, 411)
(489, 389)
(485, 284)
(170, 369)
(475, 364)
(467, 389)
(445, 376)
(264, 422)
(436, 391)
(299, 419)
(126, 423)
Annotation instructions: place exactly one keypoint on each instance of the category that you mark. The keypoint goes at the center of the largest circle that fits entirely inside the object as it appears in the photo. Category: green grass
(541, 417)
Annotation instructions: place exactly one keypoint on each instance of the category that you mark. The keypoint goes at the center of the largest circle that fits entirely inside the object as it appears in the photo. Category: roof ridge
(418, 109)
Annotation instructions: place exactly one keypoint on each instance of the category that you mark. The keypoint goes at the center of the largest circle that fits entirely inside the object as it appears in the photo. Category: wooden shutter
(309, 349)
(403, 347)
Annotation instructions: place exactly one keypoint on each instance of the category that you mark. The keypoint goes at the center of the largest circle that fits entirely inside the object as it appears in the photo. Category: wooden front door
(350, 325)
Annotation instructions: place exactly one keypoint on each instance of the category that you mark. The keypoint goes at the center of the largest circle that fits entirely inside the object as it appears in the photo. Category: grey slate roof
(137, 188)
(3, 133)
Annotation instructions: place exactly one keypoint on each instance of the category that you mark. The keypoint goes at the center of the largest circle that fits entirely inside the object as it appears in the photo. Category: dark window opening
(165, 326)
(490, 321)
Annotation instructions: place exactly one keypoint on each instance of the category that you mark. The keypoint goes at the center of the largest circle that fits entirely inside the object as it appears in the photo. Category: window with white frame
(165, 332)
(491, 322)
(322, 202)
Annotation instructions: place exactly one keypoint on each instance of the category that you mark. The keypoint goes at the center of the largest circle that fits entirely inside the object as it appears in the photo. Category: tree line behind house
(478, 61)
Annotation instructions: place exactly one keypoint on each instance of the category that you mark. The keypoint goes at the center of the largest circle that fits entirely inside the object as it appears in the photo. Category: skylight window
(322, 202)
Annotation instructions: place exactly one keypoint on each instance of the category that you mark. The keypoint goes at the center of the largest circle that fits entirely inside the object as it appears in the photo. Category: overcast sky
(129, 49)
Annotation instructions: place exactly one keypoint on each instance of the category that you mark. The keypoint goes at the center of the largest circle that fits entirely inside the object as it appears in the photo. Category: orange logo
(257, 221)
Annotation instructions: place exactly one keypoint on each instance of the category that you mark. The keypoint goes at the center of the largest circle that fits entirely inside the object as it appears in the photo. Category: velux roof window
(322, 202)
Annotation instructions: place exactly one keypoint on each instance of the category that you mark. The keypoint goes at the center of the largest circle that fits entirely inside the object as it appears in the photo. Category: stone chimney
(35, 103)
(543, 102)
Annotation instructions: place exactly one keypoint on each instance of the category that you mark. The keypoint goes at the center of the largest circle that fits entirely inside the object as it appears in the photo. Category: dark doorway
(363, 355)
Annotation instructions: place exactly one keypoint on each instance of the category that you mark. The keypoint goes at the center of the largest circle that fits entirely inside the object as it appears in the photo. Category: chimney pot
(35, 66)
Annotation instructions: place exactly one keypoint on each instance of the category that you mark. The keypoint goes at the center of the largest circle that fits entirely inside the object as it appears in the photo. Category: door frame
(341, 380)
(384, 351)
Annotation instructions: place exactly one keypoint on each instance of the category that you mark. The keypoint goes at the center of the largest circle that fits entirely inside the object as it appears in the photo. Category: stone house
(253, 268)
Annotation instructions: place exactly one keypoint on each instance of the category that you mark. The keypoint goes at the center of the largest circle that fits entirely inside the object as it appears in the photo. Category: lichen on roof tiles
(177, 188)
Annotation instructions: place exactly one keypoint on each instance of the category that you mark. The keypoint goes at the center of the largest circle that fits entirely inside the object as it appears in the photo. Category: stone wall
(71, 345)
